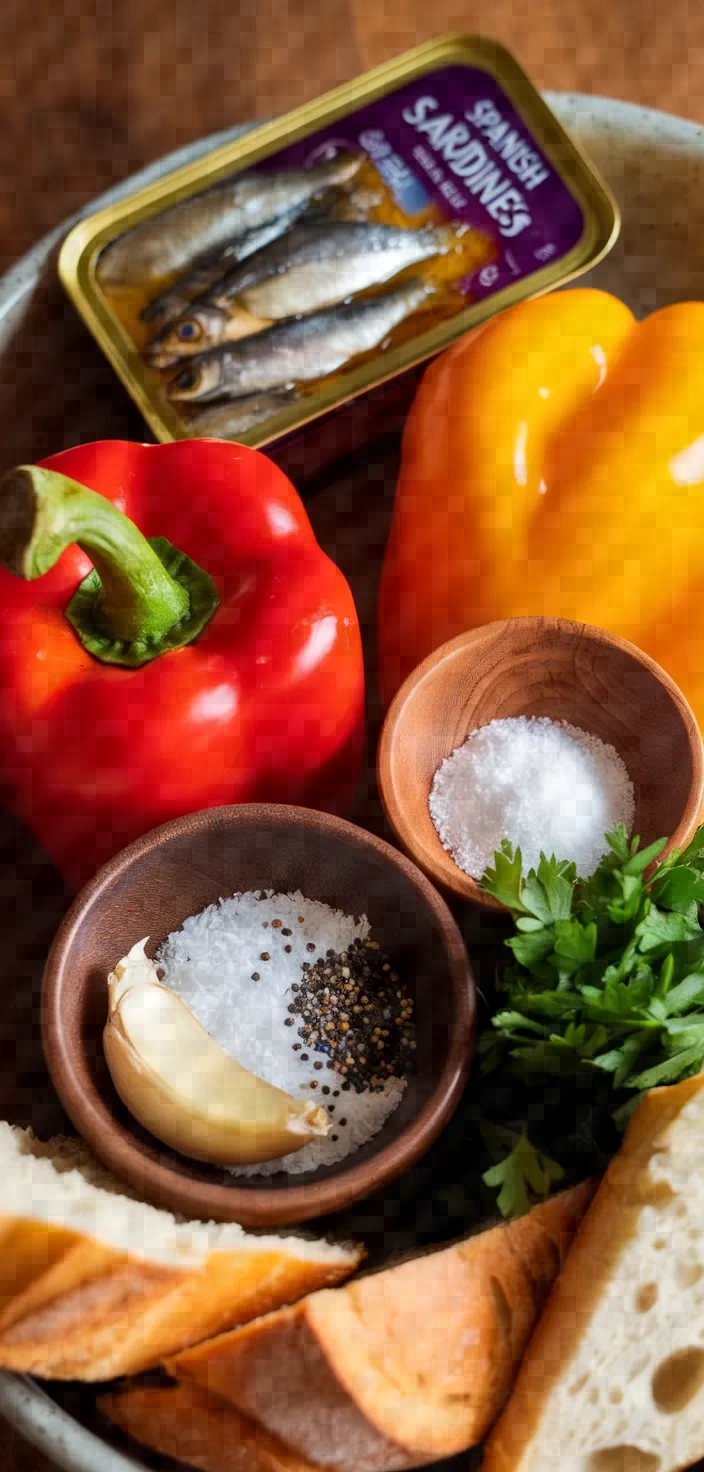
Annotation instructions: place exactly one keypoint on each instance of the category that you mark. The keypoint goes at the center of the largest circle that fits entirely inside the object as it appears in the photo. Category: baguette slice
(404, 1366)
(613, 1380)
(182, 1422)
(95, 1284)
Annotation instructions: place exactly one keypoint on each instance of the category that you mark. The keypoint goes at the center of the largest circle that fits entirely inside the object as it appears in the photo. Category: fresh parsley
(522, 1173)
(602, 999)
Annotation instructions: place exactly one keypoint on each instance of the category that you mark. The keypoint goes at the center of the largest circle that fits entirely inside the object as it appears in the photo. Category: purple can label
(454, 140)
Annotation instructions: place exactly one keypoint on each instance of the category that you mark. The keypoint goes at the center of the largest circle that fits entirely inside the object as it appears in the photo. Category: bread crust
(182, 1422)
(95, 1314)
(404, 1366)
(608, 1229)
(28, 1255)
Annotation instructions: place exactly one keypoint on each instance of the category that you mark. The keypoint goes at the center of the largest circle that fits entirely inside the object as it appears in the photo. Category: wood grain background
(93, 89)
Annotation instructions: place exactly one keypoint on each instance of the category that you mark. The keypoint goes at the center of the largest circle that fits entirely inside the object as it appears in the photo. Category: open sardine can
(308, 268)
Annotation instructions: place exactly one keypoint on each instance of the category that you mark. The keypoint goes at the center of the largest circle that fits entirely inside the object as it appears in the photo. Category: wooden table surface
(93, 89)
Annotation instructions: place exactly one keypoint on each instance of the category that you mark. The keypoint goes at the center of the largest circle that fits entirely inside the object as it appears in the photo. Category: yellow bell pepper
(553, 463)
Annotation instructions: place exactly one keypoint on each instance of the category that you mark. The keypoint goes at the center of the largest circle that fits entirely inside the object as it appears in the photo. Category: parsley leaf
(688, 993)
(533, 947)
(524, 1176)
(504, 881)
(619, 845)
(672, 1070)
(641, 858)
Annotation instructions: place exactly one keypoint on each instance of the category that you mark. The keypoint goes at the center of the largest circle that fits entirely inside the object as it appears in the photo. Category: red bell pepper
(262, 701)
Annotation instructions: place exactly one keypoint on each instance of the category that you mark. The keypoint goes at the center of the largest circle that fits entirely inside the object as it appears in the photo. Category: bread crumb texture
(613, 1380)
(59, 1182)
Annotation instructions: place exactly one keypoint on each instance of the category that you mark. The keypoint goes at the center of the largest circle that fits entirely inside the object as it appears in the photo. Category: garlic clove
(183, 1087)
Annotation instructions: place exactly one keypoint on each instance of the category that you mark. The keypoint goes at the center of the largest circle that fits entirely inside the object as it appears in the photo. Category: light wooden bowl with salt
(539, 667)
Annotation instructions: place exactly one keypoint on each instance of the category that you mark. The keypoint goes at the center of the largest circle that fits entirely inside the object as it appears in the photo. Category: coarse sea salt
(234, 969)
(547, 786)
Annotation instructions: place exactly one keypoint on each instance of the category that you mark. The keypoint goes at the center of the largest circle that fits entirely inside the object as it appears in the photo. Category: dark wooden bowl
(175, 871)
(539, 667)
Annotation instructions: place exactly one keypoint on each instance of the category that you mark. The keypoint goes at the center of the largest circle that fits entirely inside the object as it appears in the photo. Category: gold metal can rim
(84, 243)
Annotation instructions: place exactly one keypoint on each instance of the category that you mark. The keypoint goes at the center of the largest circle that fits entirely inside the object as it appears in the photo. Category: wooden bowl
(175, 871)
(539, 667)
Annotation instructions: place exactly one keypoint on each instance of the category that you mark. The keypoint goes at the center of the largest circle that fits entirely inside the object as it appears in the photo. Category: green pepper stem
(131, 608)
(45, 512)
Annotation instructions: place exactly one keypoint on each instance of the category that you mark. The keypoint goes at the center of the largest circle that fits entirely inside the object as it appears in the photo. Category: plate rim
(65, 1441)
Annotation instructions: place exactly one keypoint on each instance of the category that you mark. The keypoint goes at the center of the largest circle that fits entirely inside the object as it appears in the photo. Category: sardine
(296, 351)
(338, 262)
(210, 268)
(199, 330)
(311, 267)
(228, 420)
(171, 241)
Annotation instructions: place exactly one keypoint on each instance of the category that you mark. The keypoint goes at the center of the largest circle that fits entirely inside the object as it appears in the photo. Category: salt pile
(545, 785)
(234, 965)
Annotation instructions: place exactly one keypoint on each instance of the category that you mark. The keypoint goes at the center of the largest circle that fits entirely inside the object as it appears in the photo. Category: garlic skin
(183, 1087)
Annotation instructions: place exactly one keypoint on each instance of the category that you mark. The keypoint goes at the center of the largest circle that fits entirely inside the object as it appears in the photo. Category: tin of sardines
(328, 252)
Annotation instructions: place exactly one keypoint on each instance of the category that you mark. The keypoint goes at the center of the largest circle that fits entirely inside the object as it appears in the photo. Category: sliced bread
(613, 1379)
(401, 1367)
(95, 1284)
(185, 1423)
